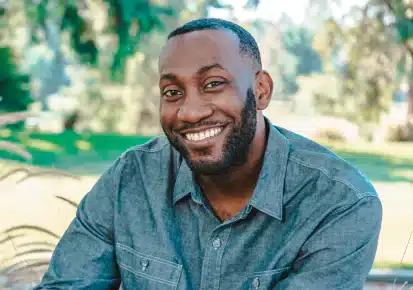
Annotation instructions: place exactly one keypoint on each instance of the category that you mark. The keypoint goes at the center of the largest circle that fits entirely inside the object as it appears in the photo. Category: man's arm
(340, 253)
(85, 257)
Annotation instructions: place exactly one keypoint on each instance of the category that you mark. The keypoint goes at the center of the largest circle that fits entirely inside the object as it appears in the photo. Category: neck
(238, 183)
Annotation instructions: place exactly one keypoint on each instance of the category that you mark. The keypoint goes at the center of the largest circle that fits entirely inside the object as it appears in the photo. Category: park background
(78, 86)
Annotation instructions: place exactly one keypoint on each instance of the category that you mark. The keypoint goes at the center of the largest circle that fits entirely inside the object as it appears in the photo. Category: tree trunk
(410, 102)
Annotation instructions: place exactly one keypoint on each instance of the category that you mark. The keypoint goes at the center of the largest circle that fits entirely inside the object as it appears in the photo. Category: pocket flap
(147, 266)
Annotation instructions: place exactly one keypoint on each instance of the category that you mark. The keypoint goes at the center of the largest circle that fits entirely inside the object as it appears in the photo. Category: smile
(199, 136)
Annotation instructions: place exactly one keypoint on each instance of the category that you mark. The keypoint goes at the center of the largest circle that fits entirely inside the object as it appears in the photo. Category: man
(226, 200)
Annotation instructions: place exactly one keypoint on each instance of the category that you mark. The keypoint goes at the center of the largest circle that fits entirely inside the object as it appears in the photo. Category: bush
(331, 135)
(400, 132)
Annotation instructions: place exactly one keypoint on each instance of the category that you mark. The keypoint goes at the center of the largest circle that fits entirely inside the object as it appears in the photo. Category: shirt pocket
(265, 279)
(144, 271)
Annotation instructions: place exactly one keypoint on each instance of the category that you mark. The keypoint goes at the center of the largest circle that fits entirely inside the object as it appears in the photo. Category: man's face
(208, 109)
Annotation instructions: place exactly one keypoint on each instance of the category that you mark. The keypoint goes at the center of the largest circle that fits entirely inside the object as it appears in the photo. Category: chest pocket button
(256, 283)
(144, 264)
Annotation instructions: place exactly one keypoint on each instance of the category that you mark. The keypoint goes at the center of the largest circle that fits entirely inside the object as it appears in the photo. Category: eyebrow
(202, 70)
(206, 68)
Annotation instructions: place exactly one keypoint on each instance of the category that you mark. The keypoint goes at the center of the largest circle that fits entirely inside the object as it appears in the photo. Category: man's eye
(172, 93)
(213, 84)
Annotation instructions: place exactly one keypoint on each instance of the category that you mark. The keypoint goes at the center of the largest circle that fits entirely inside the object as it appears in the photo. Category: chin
(208, 165)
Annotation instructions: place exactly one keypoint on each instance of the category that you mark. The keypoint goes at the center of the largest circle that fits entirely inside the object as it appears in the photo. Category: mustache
(187, 126)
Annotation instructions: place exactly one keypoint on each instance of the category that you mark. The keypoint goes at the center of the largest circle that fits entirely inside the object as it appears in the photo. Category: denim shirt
(312, 223)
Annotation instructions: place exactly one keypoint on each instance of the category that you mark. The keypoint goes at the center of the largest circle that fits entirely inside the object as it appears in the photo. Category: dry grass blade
(72, 203)
(12, 118)
(10, 238)
(16, 149)
(14, 171)
(52, 172)
(401, 262)
(15, 230)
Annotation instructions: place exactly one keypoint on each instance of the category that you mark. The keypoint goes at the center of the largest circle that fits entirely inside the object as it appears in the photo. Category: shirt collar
(185, 184)
(268, 194)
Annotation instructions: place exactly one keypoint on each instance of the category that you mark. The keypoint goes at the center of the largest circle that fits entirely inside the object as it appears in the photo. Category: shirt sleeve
(341, 251)
(84, 258)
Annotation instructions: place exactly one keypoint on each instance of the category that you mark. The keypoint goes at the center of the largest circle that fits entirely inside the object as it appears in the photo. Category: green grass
(390, 162)
(92, 153)
(392, 265)
(79, 153)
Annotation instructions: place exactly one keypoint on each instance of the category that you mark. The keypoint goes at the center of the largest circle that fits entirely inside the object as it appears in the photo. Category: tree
(378, 48)
(287, 53)
(14, 93)
(402, 12)
(364, 57)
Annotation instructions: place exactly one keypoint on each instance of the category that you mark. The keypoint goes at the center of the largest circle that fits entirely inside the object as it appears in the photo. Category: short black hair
(247, 43)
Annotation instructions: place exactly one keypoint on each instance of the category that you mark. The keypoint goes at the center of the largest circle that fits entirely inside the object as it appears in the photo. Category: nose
(194, 109)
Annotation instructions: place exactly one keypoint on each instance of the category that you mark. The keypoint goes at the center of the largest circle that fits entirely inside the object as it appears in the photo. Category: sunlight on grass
(42, 145)
(400, 150)
(83, 145)
(402, 173)
(5, 133)
(392, 265)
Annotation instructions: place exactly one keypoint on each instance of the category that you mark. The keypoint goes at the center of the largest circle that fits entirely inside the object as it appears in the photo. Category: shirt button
(144, 263)
(216, 243)
(256, 283)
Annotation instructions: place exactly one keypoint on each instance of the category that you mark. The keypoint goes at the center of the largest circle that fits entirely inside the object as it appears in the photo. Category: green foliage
(81, 36)
(367, 72)
(287, 53)
(131, 20)
(14, 92)
(298, 41)
(377, 49)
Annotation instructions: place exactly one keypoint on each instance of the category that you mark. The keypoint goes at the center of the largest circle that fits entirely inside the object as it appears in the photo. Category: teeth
(203, 135)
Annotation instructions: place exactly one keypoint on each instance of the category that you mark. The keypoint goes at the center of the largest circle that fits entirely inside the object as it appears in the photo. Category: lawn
(77, 153)
(92, 153)
(389, 162)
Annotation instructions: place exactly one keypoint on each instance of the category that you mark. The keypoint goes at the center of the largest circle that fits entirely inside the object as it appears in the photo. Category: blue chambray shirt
(312, 223)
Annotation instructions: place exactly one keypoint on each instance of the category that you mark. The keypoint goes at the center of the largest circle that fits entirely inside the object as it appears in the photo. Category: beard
(236, 145)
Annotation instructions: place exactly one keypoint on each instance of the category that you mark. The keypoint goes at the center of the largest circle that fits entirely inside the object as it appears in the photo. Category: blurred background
(78, 86)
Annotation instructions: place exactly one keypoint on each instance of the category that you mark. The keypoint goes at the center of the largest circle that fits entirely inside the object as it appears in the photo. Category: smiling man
(226, 200)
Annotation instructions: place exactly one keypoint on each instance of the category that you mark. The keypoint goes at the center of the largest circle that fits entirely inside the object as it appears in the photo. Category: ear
(263, 89)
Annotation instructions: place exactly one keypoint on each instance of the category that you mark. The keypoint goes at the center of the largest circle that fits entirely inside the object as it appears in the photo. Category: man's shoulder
(154, 145)
(311, 160)
(146, 156)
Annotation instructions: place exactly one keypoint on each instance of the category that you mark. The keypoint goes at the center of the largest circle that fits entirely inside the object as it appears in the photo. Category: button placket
(211, 267)
(216, 243)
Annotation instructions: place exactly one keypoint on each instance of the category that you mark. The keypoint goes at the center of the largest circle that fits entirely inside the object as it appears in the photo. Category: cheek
(167, 115)
(231, 105)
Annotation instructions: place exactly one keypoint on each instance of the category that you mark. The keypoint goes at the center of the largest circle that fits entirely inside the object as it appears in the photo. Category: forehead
(185, 54)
